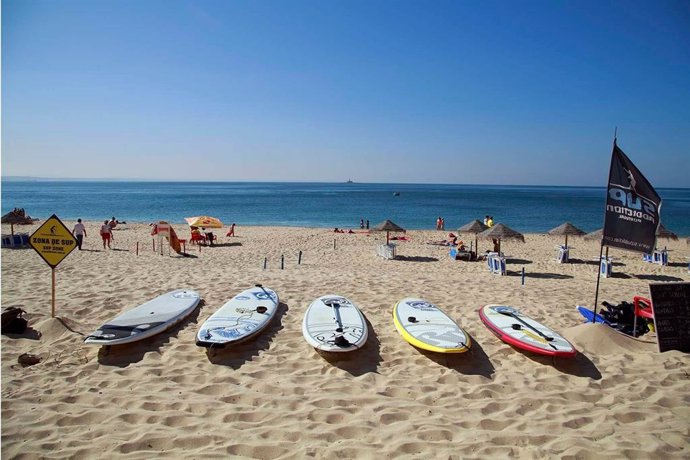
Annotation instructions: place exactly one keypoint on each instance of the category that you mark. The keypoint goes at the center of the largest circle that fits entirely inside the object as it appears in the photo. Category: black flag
(632, 207)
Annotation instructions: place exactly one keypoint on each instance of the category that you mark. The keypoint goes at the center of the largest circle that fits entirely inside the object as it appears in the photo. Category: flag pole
(596, 293)
(601, 248)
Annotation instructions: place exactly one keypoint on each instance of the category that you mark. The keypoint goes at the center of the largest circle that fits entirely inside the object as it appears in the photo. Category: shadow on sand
(416, 259)
(30, 333)
(129, 353)
(555, 276)
(678, 264)
(658, 278)
(236, 355)
(518, 261)
(473, 362)
(582, 262)
(578, 366)
(358, 362)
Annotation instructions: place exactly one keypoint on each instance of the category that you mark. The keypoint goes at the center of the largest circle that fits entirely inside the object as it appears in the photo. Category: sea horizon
(525, 208)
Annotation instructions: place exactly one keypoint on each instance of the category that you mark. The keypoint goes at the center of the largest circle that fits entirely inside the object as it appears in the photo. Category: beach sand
(276, 397)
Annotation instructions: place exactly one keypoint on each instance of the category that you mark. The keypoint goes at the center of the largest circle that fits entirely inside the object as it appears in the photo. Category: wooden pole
(137, 248)
(52, 303)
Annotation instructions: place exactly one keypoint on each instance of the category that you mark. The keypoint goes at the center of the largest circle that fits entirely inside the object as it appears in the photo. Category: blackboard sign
(671, 303)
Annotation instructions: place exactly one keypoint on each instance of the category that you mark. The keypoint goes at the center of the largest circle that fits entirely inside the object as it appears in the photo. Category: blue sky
(480, 92)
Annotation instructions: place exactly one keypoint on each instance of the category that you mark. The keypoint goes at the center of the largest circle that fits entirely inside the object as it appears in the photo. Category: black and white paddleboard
(146, 320)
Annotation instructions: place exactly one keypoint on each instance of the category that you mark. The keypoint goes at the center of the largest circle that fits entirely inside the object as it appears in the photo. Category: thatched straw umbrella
(388, 226)
(14, 218)
(595, 235)
(663, 232)
(566, 229)
(475, 227)
(501, 232)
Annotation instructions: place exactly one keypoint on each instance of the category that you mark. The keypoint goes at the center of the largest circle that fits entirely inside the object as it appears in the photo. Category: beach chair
(642, 308)
(497, 263)
(656, 257)
(606, 267)
(197, 238)
(387, 251)
(563, 254)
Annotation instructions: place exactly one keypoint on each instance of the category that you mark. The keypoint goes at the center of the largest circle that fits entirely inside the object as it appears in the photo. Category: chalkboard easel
(671, 304)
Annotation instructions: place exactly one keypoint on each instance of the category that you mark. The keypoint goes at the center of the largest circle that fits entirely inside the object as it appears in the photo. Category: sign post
(53, 242)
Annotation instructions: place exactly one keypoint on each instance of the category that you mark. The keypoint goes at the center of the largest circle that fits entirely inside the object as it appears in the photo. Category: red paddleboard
(521, 331)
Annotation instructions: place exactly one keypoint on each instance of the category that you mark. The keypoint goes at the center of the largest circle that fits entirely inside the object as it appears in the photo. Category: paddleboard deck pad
(333, 323)
(146, 320)
(239, 319)
(521, 331)
(425, 326)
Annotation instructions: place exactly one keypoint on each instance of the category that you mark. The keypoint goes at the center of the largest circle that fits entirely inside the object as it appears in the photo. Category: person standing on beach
(367, 224)
(79, 233)
(490, 221)
(443, 224)
(232, 231)
(361, 223)
(438, 223)
(106, 233)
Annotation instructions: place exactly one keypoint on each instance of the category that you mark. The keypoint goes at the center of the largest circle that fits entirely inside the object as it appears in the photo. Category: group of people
(79, 231)
(362, 224)
(489, 221)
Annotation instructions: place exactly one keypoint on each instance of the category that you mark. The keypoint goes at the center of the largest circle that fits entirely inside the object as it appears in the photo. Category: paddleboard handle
(261, 309)
(412, 319)
(511, 312)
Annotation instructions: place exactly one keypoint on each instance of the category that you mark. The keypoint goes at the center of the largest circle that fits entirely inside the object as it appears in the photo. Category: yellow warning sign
(53, 241)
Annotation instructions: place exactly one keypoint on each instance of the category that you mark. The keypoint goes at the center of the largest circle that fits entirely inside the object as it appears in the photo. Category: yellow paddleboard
(425, 326)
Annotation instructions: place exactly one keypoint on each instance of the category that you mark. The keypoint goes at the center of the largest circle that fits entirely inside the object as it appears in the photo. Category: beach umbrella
(502, 232)
(595, 235)
(388, 226)
(13, 218)
(204, 222)
(475, 227)
(663, 232)
(566, 229)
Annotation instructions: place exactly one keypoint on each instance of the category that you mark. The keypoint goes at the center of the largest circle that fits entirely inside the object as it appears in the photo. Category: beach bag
(13, 321)
(622, 318)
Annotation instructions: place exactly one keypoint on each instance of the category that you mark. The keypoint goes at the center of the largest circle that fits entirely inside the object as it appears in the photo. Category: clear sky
(478, 92)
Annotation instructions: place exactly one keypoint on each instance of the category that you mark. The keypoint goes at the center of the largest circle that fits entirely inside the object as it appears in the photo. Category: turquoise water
(523, 208)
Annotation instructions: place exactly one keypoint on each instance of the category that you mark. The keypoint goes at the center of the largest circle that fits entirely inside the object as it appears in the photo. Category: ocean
(528, 209)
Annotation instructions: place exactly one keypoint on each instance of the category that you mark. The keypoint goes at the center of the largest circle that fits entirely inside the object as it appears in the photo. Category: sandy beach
(276, 397)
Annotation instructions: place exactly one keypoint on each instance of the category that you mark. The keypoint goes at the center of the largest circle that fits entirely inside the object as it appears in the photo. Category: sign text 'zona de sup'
(53, 241)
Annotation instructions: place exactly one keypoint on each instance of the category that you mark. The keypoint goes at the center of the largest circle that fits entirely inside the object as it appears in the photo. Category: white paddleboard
(521, 331)
(240, 318)
(333, 323)
(146, 320)
(425, 326)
